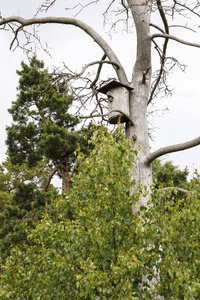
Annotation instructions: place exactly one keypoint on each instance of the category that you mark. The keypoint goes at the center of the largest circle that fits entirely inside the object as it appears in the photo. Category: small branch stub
(110, 98)
(118, 101)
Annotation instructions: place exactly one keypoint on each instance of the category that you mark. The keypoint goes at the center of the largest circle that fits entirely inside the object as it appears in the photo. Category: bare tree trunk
(141, 80)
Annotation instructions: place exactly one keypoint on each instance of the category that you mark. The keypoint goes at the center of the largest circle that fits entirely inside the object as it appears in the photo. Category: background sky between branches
(73, 47)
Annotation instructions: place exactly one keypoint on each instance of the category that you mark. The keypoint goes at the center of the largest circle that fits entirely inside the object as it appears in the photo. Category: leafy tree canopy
(167, 174)
(91, 246)
(13, 174)
(22, 200)
(26, 206)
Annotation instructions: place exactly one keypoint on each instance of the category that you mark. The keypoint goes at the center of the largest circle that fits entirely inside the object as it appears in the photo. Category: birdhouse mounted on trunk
(118, 101)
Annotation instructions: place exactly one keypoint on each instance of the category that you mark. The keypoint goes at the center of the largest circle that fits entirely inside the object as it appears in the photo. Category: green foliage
(195, 181)
(172, 243)
(91, 246)
(22, 200)
(167, 174)
(90, 252)
(26, 207)
(41, 137)
(13, 174)
(42, 126)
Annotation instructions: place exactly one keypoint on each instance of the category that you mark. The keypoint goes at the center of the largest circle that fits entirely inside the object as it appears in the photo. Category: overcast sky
(72, 46)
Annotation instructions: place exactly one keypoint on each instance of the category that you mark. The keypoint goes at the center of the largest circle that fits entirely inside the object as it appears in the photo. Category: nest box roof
(104, 89)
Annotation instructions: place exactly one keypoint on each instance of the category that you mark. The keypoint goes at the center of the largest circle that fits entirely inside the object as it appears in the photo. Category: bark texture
(141, 81)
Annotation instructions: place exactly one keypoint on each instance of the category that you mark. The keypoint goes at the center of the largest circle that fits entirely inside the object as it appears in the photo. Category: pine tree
(42, 125)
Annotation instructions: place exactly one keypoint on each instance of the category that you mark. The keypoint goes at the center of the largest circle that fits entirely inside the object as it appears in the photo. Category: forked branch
(98, 71)
(172, 37)
(92, 64)
(77, 23)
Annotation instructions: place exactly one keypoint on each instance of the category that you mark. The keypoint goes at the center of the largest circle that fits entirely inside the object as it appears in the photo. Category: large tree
(138, 13)
(42, 125)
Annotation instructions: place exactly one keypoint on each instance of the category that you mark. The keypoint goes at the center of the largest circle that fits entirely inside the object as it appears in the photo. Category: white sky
(72, 46)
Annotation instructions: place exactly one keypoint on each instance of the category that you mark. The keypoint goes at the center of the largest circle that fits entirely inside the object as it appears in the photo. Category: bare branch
(157, 27)
(98, 104)
(109, 5)
(174, 188)
(184, 27)
(125, 7)
(16, 34)
(47, 5)
(98, 71)
(70, 21)
(172, 148)
(162, 60)
(94, 63)
(172, 37)
(93, 116)
(186, 7)
(82, 7)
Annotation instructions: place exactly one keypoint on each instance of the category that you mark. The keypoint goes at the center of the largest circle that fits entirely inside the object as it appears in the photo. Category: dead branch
(98, 104)
(100, 62)
(174, 188)
(184, 27)
(82, 7)
(171, 149)
(186, 7)
(47, 5)
(103, 115)
(93, 116)
(176, 39)
(77, 23)
(162, 59)
(157, 27)
(98, 71)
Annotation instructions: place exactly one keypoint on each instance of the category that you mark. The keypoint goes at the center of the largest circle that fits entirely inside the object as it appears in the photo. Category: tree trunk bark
(66, 180)
(141, 81)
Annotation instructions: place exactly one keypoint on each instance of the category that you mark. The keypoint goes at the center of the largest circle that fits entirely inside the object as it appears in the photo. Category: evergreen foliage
(41, 121)
(42, 125)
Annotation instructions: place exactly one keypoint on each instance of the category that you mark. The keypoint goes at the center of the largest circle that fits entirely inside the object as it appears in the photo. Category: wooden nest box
(118, 101)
